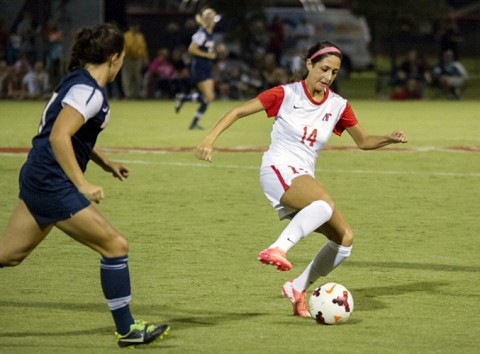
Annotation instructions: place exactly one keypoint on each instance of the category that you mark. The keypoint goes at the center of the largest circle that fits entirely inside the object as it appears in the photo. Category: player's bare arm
(69, 121)
(117, 169)
(205, 149)
(194, 49)
(370, 142)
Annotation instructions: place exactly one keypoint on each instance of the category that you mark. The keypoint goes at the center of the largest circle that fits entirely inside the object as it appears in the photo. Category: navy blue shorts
(200, 72)
(49, 205)
(48, 208)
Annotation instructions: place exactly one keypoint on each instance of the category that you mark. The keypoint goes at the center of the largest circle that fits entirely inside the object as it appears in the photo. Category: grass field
(195, 229)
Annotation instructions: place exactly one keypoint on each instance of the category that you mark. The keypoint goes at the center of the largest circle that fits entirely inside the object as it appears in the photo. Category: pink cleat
(275, 257)
(298, 299)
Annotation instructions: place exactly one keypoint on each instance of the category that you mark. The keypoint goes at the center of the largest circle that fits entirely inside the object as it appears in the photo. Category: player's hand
(398, 136)
(118, 170)
(204, 152)
(92, 192)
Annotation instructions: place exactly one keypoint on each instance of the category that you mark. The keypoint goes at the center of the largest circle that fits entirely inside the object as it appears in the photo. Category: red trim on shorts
(280, 178)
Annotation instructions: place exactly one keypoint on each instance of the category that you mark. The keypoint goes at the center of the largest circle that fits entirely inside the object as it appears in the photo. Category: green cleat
(142, 333)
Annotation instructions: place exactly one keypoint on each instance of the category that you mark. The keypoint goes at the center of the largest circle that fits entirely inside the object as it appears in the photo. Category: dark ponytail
(95, 45)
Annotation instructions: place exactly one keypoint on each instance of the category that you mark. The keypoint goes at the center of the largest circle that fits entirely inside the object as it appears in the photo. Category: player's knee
(114, 246)
(209, 98)
(120, 246)
(327, 206)
(347, 237)
(12, 261)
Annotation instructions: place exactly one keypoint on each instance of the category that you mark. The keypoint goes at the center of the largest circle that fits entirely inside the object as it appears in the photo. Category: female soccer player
(306, 113)
(53, 187)
(202, 48)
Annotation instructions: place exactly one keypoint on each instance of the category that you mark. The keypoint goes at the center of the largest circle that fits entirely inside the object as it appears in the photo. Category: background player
(202, 48)
(306, 113)
(53, 187)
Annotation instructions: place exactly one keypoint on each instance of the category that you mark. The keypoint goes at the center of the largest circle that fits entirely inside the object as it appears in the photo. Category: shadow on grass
(371, 299)
(414, 266)
(176, 321)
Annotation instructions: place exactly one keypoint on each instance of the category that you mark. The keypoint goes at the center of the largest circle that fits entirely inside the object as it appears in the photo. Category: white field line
(360, 172)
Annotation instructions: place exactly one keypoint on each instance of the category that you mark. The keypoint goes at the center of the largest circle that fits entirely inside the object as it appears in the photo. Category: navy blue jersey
(202, 67)
(80, 91)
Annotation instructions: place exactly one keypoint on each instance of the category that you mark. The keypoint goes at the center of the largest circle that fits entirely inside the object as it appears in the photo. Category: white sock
(329, 257)
(305, 222)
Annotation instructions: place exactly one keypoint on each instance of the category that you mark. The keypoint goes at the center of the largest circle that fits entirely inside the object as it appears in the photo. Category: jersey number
(311, 138)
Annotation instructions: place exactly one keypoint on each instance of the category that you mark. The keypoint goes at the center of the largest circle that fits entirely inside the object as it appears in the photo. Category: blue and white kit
(44, 187)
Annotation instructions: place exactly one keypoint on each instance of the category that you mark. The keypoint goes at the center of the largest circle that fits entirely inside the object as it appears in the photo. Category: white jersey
(302, 126)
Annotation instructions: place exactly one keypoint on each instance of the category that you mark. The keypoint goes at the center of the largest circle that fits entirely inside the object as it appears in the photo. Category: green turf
(195, 228)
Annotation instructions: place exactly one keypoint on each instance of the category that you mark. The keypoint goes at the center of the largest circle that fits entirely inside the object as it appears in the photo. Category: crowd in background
(32, 61)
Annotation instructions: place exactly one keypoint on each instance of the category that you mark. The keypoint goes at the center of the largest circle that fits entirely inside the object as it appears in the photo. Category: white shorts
(455, 81)
(275, 181)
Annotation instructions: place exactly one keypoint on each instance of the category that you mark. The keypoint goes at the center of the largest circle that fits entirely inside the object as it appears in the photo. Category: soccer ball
(331, 303)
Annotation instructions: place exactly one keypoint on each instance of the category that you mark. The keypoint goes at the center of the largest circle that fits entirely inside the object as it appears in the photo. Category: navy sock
(115, 279)
(199, 114)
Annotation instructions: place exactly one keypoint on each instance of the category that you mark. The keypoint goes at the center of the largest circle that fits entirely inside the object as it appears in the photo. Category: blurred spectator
(6, 80)
(180, 61)
(450, 39)
(413, 74)
(304, 31)
(276, 33)
(53, 37)
(22, 67)
(159, 76)
(35, 84)
(136, 58)
(255, 42)
(219, 68)
(272, 74)
(26, 33)
(4, 35)
(408, 91)
(450, 76)
(10, 84)
(234, 84)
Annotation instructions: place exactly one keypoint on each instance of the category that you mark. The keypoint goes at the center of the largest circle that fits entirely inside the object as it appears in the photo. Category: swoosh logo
(105, 109)
(134, 340)
(331, 289)
(296, 107)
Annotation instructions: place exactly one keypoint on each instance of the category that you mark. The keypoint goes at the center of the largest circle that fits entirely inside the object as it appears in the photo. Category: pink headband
(325, 50)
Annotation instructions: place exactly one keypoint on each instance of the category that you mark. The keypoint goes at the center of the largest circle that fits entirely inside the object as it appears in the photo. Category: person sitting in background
(35, 84)
(180, 61)
(272, 74)
(412, 75)
(451, 76)
(7, 80)
(53, 37)
(409, 91)
(158, 78)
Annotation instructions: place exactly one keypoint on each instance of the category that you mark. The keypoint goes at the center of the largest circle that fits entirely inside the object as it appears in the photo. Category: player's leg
(331, 255)
(206, 89)
(21, 236)
(92, 229)
(315, 206)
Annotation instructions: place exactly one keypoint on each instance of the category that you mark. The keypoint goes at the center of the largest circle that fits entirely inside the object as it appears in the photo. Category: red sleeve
(272, 99)
(347, 119)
